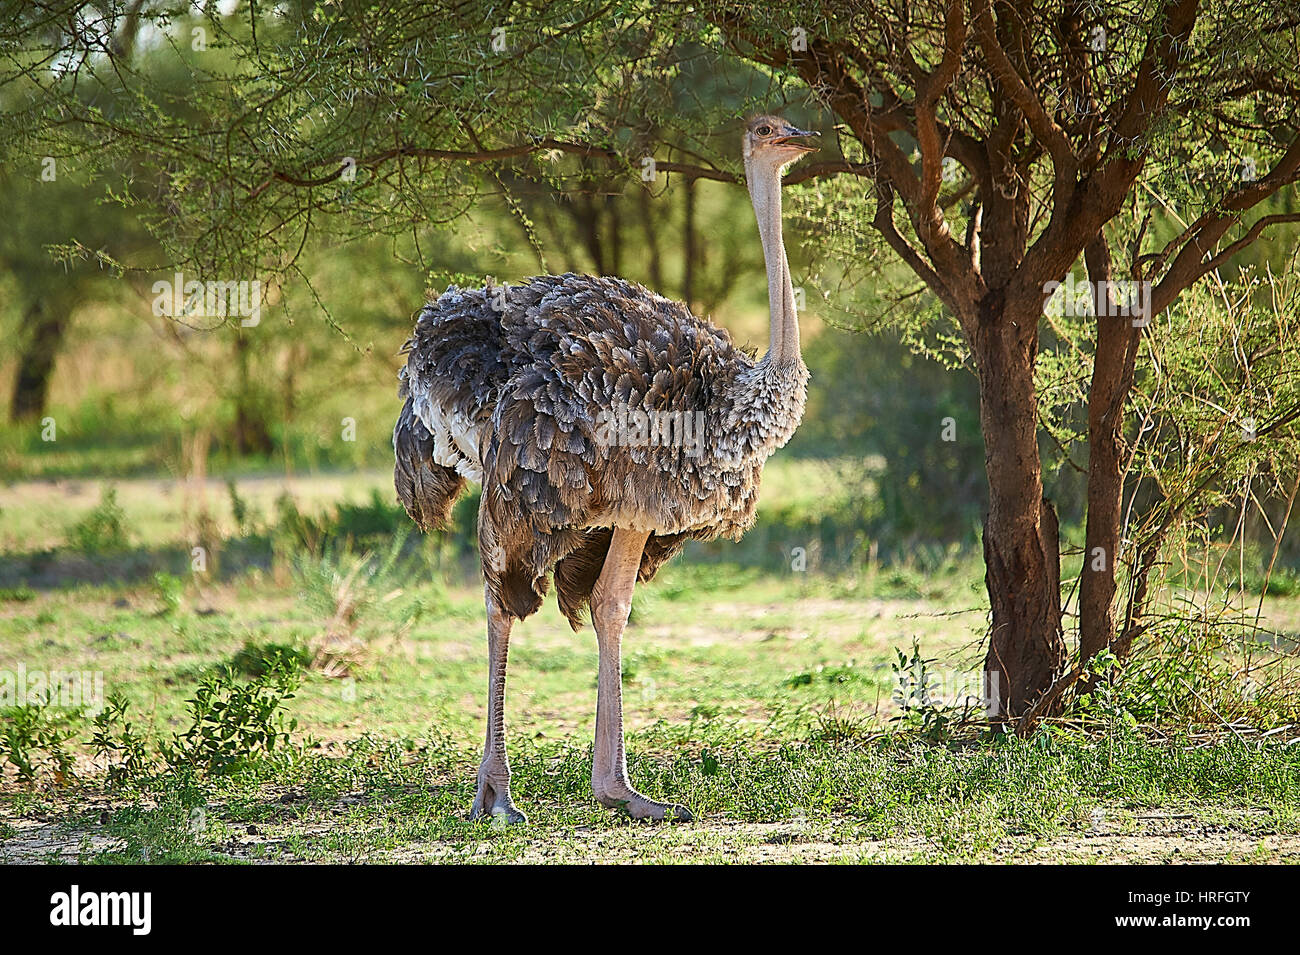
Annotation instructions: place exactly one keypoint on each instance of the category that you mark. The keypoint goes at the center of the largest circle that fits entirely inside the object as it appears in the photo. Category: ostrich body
(607, 426)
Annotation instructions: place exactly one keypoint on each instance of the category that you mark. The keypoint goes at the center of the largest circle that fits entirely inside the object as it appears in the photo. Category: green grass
(762, 702)
(877, 798)
(762, 697)
(748, 635)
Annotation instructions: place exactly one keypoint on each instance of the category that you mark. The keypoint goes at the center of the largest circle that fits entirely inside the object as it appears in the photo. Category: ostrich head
(772, 143)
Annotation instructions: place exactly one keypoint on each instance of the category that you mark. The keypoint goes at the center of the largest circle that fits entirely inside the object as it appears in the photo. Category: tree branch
(819, 170)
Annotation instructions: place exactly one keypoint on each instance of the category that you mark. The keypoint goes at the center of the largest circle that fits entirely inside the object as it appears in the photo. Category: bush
(116, 742)
(1282, 582)
(103, 529)
(344, 588)
(1197, 670)
(371, 521)
(35, 736)
(234, 724)
(169, 589)
(256, 660)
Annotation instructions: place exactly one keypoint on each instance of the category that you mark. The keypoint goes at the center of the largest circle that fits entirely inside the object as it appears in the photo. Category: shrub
(116, 742)
(103, 529)
(255, 660)
(169, 589)
(35, 736)
(234, 724)
(344, 588)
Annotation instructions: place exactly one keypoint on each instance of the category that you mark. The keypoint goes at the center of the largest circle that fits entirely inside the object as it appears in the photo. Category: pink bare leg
(611, 602)
(493, 795)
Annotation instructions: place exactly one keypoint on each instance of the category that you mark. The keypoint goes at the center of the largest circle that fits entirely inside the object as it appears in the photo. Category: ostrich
(607, 426)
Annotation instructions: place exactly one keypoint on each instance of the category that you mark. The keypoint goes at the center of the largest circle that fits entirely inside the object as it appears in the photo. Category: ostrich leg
(493, 794)
(611, 602)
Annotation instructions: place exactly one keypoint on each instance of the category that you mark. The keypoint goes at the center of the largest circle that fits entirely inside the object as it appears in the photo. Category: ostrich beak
(792, 133)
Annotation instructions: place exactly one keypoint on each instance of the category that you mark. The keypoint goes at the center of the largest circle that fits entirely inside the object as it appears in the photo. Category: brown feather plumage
(512, 397)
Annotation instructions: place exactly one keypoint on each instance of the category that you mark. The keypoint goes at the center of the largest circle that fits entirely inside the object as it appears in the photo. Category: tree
(1058, 114)
(73, 211)
(991, 145)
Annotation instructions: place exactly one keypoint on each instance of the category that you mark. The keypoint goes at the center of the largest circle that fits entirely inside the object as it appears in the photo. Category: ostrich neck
(766, 399)
(765, 193)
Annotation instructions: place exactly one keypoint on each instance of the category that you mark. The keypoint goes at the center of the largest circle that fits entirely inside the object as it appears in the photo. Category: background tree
(75, 211)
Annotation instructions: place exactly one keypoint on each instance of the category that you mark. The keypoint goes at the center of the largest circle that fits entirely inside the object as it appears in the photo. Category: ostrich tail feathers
(426, 489)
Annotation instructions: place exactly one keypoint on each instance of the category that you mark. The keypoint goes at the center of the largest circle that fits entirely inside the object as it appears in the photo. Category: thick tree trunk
(251, 433)
(44, 325)
(651, 234)
(1112, 379)
(1021, 548)
(588, 217)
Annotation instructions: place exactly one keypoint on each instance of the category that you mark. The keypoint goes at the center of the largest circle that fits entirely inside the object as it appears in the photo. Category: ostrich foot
(622, 796)
(495, 804)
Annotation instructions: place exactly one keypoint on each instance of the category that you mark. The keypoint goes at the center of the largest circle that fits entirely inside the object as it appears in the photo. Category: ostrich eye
(764, 130)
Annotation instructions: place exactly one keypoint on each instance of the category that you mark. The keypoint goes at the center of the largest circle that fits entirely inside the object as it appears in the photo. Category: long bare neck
(764, 182)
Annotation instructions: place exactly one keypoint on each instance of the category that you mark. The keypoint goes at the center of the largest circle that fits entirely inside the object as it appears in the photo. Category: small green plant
(116, 742)
(234, 724)
(244, 517)
(254, 659)
(169, 589)
(1105, 701)
(17, 594)
(919, 709)
(911, 679)
(35, 736)
(344, 588)
(103, 529)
